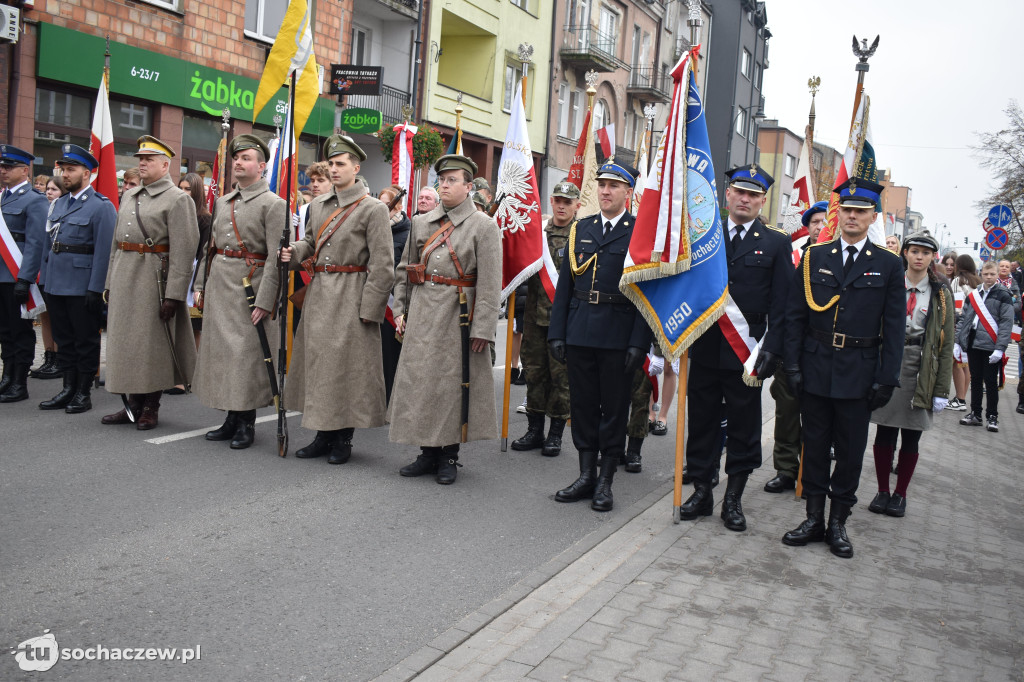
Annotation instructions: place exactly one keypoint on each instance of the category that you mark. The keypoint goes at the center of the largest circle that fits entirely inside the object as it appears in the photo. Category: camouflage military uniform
(639, 407)
(547, 381)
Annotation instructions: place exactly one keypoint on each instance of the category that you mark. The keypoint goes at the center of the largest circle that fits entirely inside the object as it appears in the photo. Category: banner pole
(677, 487)
(511, 314)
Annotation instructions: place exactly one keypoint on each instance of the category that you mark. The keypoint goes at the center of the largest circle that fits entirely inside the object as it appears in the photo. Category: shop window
(63, 109)
(133, 120)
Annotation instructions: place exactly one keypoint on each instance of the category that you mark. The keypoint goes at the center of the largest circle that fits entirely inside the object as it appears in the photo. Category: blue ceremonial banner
(676, 271)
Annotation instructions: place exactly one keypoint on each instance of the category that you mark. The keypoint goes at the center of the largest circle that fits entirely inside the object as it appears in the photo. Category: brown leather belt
(340, 268)
(450, 281)
(837, 340)
(241, 254)
(143, 248)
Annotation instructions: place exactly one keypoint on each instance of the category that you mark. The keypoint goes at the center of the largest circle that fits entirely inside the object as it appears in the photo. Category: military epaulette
(777, 229)
(821, 243)
(885, 248)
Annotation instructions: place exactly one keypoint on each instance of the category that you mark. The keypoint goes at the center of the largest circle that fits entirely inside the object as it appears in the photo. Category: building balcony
(587, 48)
(648, 82)
(388, 103)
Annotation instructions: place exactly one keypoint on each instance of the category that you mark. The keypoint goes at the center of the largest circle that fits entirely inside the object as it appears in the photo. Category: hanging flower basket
(427, 145)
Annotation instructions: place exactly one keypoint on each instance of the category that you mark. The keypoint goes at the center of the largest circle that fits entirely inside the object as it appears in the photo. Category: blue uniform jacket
(872, 303)
(25, 215)
(86, 221)
(760, 275)
(614, 326)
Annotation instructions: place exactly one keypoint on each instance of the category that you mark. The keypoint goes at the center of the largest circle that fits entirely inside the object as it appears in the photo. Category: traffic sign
(999, 215)
(986, 225)
(984, 254)
(996, 238)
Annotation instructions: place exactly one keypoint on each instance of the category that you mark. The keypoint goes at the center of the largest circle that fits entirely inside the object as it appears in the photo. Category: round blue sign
(999, 215)
(996, 238)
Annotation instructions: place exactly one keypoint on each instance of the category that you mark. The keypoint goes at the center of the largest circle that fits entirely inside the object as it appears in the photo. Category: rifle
(493, 208)
(282, 270)
(250, 296)
(464, 328)
(394, 202)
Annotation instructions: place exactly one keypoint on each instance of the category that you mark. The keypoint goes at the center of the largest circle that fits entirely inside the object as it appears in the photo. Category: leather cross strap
(451, 281)
(348, 212)
(138, 218)
(340, 268)
(247, 255)
(143, 248)
(439, 237)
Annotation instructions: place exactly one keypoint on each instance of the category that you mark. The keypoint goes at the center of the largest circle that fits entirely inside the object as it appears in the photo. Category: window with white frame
(510, 87)
(263, 18)
(173, 5)
(745, 62)
(790, 165)
(741, 123)
(360, 45)
(609, 29)
(577, 99)
(600, 114)
(563, 109)
(785, 202)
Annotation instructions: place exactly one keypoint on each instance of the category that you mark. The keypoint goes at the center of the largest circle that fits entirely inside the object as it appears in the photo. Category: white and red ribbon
(737, 332)
(984, 316)
(401, 162)
(11, 255)
(548, 273)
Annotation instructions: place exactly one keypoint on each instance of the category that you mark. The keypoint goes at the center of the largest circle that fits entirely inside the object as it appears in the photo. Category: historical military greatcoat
(426, 399)
(231, 373)
(139, 356)
(336, 377)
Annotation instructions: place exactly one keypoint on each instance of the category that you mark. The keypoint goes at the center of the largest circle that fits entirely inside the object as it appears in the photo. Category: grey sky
(943, 71)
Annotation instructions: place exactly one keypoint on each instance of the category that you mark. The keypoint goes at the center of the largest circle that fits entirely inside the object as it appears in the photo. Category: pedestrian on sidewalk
(336, 378)
(231, 372)
(962, 284)
(983, 335)
(845, 322)
(150, 345)
(924, 375)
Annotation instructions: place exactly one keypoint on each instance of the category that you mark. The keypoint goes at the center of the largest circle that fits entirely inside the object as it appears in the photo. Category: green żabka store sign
(151, 76)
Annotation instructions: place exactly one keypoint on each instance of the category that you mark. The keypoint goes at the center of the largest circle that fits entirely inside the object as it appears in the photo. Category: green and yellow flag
(292, 51)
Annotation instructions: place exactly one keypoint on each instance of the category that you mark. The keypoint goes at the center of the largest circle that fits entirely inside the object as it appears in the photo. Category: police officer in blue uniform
(760, 273)
(82, 228)
(24, 210)
(845, 324)
(600, 334)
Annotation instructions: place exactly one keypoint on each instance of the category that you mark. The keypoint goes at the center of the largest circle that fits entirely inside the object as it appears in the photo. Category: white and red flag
(101, 146)
(10, 253)
(801, 197)
(606, 138)
(518, 214)
(401, 162)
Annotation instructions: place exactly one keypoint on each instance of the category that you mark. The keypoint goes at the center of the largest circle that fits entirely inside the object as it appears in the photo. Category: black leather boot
(732, 509)
(245, 432)
(320, 445)
(686, 476)
(780, 483)
(226, 430)
(82, 401)
(17, 390)
(425, 463)
(835, 534)
(448, 464)
(632, 458)
(61, 400)
(341, 449)
(553, 443)
(7, 377)
(603, 490)
(813, 528)
(583, 487)
(49, 368)
(534, 437)
(700, 503)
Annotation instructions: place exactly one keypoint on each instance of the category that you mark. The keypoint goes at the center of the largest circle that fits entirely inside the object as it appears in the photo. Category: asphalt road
(276, 568)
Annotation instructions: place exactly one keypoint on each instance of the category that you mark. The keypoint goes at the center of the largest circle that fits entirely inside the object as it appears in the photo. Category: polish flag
(606, 138)
(101, 145)
(402, 164)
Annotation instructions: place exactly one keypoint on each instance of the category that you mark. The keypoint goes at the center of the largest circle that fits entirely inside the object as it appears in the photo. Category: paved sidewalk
(936, 595)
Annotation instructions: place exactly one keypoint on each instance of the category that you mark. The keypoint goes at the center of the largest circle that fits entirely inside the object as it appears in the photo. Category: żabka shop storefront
(151, 94)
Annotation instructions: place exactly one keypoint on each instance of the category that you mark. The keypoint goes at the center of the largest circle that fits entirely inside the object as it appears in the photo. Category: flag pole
(863, 53)
(695, 22)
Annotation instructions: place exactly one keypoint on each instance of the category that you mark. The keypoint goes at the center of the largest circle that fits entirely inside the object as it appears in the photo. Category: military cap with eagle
(242, 142)
(751, 178)
(859, 193)
(149, 145)
(342, 144)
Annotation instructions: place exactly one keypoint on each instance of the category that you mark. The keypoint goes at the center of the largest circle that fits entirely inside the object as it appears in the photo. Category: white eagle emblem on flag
(514, 189)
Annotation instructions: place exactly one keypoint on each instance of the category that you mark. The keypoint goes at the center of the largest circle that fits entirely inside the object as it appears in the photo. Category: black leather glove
(168, 308)
(94, 302)
(634, 358)
(557, 348)
(765, 364)
(794, 379)
(878, 396)
(21, 291)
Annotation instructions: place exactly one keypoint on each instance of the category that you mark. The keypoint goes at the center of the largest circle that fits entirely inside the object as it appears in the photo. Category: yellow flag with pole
(292, 51)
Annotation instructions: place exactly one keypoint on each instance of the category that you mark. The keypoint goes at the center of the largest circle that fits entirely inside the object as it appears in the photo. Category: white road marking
(162, 440)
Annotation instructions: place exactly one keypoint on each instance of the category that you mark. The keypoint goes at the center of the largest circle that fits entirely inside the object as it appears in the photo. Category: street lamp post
(758, 116)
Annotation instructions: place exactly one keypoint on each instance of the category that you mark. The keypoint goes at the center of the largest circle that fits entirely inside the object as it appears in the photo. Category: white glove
(958, 352)
(657, 365)
(996, 356)
(939, 404)
(295, 219)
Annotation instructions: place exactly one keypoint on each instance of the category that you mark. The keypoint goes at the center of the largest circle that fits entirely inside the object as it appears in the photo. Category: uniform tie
(737, 238)
(911, 303)
(852, 251)
(607, 227)
(6, 193)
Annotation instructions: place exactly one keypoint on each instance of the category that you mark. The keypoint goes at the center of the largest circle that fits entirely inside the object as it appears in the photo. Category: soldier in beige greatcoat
(156, 232)
(231, 373)
(426, 401)
(336, 376)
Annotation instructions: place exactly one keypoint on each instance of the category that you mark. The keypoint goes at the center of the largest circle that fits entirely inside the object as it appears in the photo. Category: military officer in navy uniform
(24, 210)
(845, 323)
(760, 272)
(600, 334)
(82, 228)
